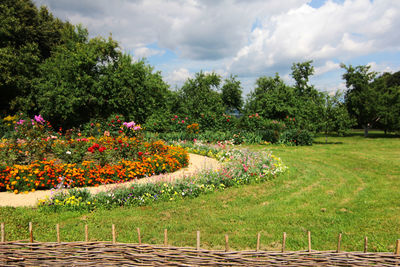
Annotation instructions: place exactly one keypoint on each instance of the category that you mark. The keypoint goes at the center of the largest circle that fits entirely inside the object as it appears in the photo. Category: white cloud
(145, 52)
(329, 66)
(342, 31)
(380, 68)
(249, 38)
(179, 76)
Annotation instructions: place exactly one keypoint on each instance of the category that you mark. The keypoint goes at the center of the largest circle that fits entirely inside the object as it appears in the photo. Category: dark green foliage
(88, 79)
(361, 98)
(388, 88)
(231, 94)
(200, 99)
(309, 101)
(296, 137)
(271, 98)
(335, 115)
(27, 37)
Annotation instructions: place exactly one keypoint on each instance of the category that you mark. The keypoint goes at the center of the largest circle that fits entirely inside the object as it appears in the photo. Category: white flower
(68, 152)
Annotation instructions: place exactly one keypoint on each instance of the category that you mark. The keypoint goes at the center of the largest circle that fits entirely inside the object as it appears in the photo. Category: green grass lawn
(350, 185)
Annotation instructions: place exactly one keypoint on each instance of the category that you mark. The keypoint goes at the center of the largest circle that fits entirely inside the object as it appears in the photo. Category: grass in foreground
(350, 185)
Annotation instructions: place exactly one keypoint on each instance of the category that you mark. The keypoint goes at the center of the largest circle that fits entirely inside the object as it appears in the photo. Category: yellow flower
(15, 191)
(88, 202)
(33, 190)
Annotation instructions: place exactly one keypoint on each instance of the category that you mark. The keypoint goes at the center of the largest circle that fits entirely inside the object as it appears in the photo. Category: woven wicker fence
(30, 253)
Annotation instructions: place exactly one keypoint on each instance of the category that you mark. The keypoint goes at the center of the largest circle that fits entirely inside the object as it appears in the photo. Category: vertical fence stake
(338, 243)
(365, 244)
(113, 233)
(397, 251)
(139, 238)
(30, 232)
(198, 240)
(3, 234)
(309, 241)
(258, 241)
(226, 243)
(86, 233)
(58, 232)
(284, 242)
(165, 237)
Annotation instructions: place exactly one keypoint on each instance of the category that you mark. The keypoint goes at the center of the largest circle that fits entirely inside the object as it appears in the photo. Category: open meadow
(349, 185)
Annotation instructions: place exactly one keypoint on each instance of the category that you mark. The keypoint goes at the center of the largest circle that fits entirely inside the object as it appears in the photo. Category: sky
(247, 38)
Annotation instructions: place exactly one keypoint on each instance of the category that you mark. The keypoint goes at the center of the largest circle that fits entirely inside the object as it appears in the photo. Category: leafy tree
(232, 94)
(361, 98)
(335, 115)
(27, 37)
(388, 110)
(309, 101)
(88, 79)
(200, 99)
(271, 98)
(301, 73)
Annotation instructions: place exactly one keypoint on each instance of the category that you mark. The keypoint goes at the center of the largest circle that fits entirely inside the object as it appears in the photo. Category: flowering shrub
(242, 167)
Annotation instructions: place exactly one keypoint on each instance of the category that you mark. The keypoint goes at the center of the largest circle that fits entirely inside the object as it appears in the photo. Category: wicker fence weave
(108, 254)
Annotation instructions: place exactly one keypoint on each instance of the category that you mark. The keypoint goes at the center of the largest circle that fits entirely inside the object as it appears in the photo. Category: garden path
(196, 163)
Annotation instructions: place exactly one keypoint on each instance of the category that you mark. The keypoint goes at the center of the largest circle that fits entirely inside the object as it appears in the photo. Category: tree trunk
(365, 130)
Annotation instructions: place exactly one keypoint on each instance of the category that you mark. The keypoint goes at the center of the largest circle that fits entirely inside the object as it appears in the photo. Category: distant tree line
(53, 68)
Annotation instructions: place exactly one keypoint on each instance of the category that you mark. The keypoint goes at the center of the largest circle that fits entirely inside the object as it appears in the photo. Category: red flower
(101, 149)
(227, 120)
(119, 121)
(120, 131)
(120, 141)
(117, 117)
(140, 153)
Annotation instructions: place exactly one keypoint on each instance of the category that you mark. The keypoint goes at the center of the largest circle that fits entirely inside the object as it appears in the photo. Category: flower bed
(241, 167)
(38, 158)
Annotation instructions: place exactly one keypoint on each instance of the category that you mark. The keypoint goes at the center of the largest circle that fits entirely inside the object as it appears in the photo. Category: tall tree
(388, 110)
(361, 98)
(271, 98)
(309, 101)
(335, 115)
(232, 94)
(90, 78)
(201, 99)
(27, 37)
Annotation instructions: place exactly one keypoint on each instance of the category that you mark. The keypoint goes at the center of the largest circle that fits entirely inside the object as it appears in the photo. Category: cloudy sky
(247, 38)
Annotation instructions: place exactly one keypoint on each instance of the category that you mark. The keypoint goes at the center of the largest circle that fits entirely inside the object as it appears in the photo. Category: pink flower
(183, 121)
(39, 119)
(129, 124)
(176, 116)
(137, 128)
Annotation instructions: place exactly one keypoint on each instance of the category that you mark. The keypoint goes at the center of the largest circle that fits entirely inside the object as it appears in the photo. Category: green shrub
(296, 137)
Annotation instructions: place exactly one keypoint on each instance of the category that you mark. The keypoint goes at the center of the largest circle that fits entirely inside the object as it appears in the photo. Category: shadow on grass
(372, 134)
(327, 143)
(359, 133)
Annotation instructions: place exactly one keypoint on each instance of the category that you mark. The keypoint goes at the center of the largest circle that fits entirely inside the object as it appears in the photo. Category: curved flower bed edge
(240, 167)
